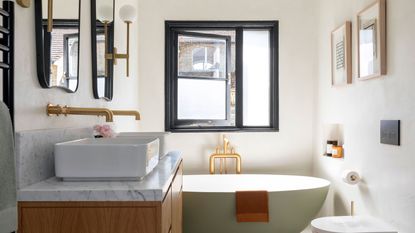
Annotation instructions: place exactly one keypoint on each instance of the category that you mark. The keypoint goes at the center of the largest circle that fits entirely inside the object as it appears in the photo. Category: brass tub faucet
(225, 153)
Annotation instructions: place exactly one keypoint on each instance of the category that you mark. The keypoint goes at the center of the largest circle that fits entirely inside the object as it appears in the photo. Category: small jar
(337, 152)
(329, 148)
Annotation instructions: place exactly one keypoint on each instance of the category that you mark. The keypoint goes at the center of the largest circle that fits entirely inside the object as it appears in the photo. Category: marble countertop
(152, 188)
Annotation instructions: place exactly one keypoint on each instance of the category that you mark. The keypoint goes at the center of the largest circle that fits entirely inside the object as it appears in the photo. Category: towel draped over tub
(252, 206)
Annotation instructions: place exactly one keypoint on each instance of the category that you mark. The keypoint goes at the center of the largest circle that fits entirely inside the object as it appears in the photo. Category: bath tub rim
(319, 183)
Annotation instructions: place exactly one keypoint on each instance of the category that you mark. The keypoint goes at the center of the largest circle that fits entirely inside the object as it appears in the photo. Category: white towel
(8, 213)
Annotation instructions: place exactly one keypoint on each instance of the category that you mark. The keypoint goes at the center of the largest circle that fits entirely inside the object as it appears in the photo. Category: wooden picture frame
(341, 55)
(371, 38)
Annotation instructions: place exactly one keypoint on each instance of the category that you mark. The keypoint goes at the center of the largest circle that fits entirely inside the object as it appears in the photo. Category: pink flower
(97, 128)
(106, 127)
(104, 130)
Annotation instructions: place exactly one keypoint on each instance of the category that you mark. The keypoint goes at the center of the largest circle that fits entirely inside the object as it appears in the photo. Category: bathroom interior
(220, 116)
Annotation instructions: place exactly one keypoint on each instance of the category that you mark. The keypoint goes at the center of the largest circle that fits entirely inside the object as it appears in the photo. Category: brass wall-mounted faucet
(136, 114)
(223, 154)
(109, 114)
(65, 110)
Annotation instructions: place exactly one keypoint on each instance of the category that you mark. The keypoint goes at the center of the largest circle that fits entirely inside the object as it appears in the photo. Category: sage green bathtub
(213, 211)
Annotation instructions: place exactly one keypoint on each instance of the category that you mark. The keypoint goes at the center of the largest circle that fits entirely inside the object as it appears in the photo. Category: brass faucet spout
(65, 110)
(133, 113)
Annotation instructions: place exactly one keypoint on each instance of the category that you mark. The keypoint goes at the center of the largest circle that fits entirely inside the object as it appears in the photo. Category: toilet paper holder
(351, 177)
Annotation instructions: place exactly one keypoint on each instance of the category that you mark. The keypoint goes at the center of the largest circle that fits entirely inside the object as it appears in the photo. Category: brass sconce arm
(58, 110)
(115, 55)
(50, 15)
(136, 114)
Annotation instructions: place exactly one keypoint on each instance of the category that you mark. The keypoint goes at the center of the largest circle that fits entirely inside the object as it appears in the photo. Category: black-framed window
(221, 76)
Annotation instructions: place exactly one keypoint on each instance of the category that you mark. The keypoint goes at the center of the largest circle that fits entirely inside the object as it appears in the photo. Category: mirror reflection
(58, 43)
(102, 45)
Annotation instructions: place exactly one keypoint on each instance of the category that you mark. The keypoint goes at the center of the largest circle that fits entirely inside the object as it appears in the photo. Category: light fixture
(127, 14)
(105, 15)
(24, 3)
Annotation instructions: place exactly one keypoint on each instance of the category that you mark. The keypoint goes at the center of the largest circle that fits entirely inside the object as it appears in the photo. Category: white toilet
(350, 224)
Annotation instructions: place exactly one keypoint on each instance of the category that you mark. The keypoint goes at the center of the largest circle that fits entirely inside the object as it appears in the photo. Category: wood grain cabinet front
(106, 217)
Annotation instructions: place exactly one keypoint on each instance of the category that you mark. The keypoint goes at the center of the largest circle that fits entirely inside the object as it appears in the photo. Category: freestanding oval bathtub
(209, 202)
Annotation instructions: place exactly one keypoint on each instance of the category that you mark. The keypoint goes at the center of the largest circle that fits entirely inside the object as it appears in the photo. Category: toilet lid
(350, 224)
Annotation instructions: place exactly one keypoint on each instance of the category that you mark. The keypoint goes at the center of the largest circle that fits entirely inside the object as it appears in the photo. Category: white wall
(31, 99)
(288, 151)
(387, 190)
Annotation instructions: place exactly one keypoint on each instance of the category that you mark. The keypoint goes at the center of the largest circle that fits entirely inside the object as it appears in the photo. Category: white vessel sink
(350, 224)
(160, 135)
(106, 158)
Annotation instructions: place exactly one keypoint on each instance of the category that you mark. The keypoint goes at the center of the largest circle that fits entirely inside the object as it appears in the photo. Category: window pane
(202, 57)
(256, 78)
(73, 56)
(59, 71)
(201, 99)
(232, 35)
(101, 55)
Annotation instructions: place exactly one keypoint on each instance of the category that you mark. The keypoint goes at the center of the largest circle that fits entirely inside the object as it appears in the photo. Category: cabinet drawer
(87, 217)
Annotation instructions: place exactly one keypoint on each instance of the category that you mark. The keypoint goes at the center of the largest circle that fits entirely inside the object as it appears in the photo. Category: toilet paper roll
(351, 177)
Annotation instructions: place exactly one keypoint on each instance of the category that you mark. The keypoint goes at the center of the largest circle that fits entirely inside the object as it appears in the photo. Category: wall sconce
(127, 14)
(105, 15)
(23, 3)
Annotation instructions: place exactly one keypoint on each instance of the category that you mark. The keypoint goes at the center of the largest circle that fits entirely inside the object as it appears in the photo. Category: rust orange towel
(252, 206)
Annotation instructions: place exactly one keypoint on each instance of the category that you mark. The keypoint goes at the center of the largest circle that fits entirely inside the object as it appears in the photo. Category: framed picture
(341, 55)
(372, 41)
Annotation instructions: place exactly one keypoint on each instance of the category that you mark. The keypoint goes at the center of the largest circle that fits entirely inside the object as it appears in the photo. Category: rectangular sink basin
(106, 159)
(162, 136)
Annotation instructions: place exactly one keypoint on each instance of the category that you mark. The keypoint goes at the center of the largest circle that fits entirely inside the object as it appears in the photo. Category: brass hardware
(222, 155)
(352, 208)
(57, 110)
(50, 15)
(24, 3)
(136, 114)
(115, 56)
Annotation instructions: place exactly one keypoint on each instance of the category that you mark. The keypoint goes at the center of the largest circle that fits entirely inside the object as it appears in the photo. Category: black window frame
(173, 28)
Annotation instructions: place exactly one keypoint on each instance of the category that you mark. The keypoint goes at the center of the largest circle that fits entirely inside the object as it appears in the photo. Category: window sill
(214, 130)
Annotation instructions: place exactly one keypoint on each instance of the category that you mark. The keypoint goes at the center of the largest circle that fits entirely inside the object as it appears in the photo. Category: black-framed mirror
(102, 43)
(57, 25)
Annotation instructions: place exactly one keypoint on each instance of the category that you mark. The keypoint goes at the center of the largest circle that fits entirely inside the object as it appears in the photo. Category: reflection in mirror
(57, 38)
(102, 32)
(371, 39)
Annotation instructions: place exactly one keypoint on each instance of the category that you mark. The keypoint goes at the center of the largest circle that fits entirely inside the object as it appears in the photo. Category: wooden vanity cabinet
(177, 202)
(106, 217)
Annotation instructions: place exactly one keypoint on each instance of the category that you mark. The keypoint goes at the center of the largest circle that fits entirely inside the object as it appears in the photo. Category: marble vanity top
(152, 188)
